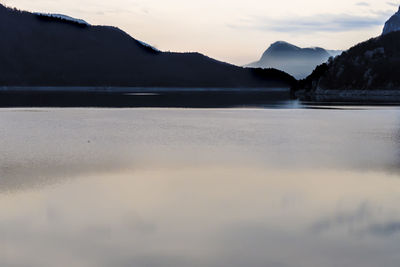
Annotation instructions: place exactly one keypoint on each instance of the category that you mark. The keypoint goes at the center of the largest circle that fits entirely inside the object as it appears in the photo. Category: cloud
(362, 4)
(386, 229)
(392, 4)
(344, 219)
(361, 221)
(316, 23)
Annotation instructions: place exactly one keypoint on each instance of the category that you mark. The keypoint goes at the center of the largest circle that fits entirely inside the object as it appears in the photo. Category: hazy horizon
(231, 31)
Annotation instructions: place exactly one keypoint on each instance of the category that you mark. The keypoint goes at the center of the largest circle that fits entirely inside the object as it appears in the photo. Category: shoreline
(139, 89)
(141, 97)
(358, 96)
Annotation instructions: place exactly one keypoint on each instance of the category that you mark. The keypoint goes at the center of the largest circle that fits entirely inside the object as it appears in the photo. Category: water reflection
(199, 188)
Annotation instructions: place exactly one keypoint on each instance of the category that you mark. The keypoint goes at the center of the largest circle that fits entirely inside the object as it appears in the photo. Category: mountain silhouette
(57, 50)
(299, 62)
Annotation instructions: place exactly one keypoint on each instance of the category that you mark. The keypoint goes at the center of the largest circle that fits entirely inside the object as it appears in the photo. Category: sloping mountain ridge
(40, 50)
(299, 62)
(62, 17)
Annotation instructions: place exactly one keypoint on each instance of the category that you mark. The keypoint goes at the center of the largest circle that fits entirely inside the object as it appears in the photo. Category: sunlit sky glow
(234, 31)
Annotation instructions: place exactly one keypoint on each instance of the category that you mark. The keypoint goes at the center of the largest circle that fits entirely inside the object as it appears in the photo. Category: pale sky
(235, 31)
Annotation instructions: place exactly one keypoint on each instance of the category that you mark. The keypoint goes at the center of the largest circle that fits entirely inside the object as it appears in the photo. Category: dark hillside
(371, 65)
(44, 51)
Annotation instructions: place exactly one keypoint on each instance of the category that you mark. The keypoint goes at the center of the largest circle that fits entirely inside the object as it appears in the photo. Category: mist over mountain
(57, 50)
(334, 53)
(299, 62)
(393, 24)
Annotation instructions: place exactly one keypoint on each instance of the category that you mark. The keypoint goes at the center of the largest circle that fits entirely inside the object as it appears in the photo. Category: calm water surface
(185, 187)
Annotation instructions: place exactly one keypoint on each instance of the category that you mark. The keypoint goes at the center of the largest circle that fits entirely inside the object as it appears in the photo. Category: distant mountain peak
(283, 45)
(393, 24)
(297, 61)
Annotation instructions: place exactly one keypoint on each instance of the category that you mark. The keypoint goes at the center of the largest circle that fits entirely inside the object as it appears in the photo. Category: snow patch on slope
(147, 45)
(64, 17)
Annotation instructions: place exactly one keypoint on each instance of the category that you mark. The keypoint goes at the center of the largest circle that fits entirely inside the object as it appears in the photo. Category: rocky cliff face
(393, 24)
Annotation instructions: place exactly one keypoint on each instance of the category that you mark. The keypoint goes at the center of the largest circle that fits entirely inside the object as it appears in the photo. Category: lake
(288, 187)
